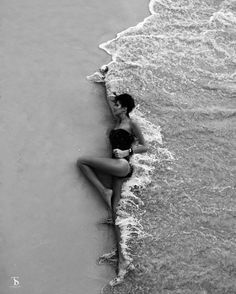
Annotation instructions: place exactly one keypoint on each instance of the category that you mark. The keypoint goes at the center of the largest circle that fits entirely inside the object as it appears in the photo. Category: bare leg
(105, 193)
(117, 187)
(115, 167)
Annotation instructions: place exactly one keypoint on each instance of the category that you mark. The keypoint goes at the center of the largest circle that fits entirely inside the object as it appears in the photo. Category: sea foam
(179, 64)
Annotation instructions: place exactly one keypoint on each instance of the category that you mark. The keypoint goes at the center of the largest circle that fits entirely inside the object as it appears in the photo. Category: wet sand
(50, 235)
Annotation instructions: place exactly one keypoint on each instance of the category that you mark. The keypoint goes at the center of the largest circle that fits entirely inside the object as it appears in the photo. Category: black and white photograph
(118, 147)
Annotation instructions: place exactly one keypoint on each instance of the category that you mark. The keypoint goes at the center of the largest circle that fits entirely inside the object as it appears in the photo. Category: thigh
(111, 166)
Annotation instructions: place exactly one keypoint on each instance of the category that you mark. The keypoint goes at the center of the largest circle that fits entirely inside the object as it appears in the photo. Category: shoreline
(53, 233)
(186, 203)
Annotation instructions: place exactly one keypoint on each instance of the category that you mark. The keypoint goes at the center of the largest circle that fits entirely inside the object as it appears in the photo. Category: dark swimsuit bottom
(123, 140)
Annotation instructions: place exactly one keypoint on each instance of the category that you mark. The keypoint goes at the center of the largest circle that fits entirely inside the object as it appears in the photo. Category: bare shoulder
(134, 125)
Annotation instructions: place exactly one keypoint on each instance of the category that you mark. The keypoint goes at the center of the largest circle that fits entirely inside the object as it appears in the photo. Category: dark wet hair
(126, 101)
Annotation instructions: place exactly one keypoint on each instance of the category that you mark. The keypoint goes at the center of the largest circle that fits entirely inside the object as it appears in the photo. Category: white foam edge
(130, 226)
(104, 45)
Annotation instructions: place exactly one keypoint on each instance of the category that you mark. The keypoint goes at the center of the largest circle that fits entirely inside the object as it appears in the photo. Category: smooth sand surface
(50, 114)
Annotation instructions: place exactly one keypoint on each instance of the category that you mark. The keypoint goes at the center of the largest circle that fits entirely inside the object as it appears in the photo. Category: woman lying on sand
(122, 137)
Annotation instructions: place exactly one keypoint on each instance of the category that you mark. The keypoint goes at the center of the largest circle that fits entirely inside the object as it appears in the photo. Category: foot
(124, 268)
(107, 194)
(112, 257)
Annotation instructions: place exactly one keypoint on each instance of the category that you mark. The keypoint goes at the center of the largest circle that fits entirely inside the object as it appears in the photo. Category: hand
(120, 153)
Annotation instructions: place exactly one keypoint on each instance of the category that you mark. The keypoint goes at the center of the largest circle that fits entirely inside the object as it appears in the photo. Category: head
(123, 103)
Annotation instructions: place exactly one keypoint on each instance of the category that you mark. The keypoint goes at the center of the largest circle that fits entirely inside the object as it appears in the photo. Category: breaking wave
(177, 212)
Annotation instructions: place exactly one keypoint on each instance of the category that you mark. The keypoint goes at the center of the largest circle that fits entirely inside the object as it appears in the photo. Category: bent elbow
(145, 148)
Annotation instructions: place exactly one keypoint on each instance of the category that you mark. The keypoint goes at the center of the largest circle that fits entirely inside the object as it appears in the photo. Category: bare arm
(142, 147)
(110, 98)
(110, 102)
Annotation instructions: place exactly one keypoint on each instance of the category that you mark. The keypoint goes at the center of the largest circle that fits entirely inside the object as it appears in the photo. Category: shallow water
(180, 66)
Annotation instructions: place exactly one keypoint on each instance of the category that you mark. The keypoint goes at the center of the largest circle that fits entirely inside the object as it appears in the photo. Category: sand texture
(50, 114)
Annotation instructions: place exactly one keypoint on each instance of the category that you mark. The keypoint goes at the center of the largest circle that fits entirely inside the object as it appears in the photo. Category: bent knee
(125, 165)
(81, 161)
